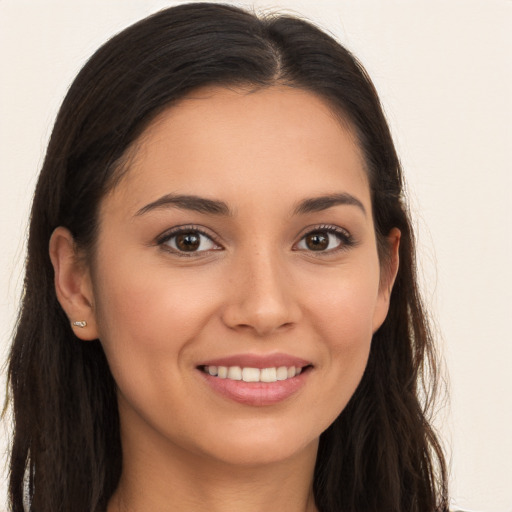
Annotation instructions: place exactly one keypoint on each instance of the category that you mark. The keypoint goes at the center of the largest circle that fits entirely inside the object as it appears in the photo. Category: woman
(227, 316)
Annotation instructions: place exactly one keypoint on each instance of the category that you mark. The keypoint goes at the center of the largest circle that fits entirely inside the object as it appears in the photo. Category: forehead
(227, 142)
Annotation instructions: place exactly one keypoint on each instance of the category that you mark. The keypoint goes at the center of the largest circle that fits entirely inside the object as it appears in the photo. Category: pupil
(188, 241)
(317, 241)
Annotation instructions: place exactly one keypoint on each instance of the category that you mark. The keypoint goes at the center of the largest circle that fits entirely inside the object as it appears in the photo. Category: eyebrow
(215, 207)
(318, 204)
(188, 202)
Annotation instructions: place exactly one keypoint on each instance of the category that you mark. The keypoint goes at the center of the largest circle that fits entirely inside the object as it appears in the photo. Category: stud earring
(80, 323)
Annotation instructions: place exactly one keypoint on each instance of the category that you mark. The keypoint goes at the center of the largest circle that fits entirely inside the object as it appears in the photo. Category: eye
(187, 240)
(325, 239)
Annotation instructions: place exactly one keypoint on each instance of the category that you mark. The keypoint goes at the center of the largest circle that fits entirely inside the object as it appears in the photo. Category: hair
(381, 453)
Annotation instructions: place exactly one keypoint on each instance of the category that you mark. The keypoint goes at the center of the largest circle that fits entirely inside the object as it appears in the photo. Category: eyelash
(345, 239)
(163, 240)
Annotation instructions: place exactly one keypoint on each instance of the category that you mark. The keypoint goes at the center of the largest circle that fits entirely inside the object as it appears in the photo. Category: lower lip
(256, 393)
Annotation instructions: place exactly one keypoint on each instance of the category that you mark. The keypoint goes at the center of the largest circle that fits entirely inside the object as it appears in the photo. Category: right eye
(188, 241)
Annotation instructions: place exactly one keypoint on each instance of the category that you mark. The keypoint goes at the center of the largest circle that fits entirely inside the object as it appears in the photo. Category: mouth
(256, 379)
(249, 374)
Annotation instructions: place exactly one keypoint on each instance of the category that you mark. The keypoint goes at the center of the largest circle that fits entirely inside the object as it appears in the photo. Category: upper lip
(258, 361)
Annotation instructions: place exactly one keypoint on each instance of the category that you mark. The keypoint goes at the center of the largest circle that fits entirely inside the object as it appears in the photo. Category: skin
(255, 286)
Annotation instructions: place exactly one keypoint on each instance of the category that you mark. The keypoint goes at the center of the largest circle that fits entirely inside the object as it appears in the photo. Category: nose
(260, 298)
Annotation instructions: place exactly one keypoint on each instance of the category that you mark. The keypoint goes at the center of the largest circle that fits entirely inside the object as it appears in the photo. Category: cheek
(148, 324)
(343, 324)
(145, 315)
(345, 308)
(346, 328)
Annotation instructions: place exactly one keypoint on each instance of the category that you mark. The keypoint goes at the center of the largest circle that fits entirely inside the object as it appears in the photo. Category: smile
(256, 379)
(248, 374)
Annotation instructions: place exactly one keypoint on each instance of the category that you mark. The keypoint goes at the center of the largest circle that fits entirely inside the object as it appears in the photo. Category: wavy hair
(381, 453)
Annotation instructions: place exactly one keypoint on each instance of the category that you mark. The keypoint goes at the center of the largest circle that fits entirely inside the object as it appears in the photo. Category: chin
(261, 446)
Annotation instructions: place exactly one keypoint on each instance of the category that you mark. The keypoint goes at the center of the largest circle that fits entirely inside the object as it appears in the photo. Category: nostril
(263, 305)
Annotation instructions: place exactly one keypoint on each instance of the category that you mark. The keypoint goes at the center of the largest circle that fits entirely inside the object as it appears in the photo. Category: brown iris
(188, 241)
(317, 241)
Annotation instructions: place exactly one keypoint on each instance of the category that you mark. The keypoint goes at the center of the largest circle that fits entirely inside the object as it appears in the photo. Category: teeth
(282, 373)
(253, 374)
(235, 373)
(268, 375)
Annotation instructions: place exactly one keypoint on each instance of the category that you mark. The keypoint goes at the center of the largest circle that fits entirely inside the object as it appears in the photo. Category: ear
(388, 275)
(73, 284)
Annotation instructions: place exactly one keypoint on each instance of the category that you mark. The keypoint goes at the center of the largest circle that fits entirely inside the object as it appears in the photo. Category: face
(236, 281)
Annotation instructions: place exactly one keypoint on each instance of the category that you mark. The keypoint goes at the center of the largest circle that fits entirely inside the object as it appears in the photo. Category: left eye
(323, 241)
(190, 241)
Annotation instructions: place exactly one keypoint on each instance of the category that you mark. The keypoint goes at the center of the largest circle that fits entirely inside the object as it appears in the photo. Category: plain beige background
(442, 68)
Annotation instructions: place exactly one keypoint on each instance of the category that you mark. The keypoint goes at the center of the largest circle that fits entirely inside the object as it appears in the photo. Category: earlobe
(389, 273)
(73, 284)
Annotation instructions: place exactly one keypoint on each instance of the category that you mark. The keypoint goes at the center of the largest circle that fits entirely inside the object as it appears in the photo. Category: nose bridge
(261, 296)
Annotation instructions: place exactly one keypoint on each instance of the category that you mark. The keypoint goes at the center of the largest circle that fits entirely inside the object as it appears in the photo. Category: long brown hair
(381, 453)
